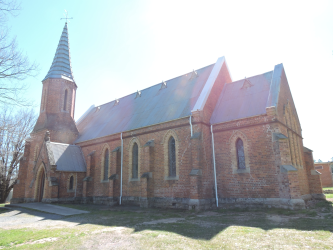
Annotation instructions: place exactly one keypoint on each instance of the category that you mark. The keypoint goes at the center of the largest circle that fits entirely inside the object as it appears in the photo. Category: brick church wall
(326, 173)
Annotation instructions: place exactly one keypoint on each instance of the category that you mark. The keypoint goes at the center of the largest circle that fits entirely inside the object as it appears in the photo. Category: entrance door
(41, 185)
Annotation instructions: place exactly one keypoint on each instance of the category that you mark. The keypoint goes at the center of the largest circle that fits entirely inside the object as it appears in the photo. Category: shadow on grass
(197, 225)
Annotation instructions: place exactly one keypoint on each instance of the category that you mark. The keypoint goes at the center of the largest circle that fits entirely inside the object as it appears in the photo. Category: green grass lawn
(127, 228)
(328, 188)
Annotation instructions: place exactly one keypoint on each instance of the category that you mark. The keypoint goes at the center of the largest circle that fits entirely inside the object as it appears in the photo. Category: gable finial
(164, 85)
(66, 16)
(194, 74)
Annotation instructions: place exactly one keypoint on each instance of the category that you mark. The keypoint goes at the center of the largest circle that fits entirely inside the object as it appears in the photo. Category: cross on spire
(66, 16)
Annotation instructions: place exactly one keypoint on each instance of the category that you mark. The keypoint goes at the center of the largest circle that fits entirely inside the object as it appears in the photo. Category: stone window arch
(239, 152)
(105, 163)
(171, 155)
(134, 152)
(71, 183)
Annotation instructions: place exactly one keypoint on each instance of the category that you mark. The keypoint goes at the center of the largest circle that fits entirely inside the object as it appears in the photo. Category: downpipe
(191, 125)
(121, 169)
(216, 198)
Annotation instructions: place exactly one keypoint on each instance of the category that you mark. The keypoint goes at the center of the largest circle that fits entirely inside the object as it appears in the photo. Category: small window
(65, 100)
(106, 164)
(71, 183)
(44, 100)
(135, 161)
(172, 157)
(240, 154)
(318, 167)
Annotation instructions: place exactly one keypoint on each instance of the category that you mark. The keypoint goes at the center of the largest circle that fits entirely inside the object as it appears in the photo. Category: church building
(197, 141)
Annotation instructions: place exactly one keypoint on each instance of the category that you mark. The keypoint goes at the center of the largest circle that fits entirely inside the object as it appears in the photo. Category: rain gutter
(216, 198)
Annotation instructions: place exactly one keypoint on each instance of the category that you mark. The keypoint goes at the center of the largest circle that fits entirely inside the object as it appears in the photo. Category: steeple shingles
(61, 65)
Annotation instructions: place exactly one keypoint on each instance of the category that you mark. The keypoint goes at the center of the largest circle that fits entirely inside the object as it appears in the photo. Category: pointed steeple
(61, 65)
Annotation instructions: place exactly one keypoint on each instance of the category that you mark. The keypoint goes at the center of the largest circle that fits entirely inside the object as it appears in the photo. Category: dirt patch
(170, 220)
(208, 213)
(38, 241)
(110, 240)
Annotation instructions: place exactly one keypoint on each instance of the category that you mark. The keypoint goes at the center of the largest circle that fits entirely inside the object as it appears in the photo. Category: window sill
(70, 190)
(104, 181)
(171, 178)
(241, 171)
(134, 179)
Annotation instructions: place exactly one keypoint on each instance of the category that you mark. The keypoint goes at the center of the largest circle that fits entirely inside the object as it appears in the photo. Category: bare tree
(15, 67)
(14, 130)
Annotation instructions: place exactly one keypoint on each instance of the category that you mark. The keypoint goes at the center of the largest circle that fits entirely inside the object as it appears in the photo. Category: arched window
(135, 161)
(106, 164)
(65, 100)
(71, 183)
(172, 157)
(240, 154)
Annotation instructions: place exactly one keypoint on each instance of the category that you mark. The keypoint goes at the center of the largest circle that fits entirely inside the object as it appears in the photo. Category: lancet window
(240, 154)
(172, 157)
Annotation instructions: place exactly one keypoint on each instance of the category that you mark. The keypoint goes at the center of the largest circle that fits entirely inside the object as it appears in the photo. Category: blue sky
(119, 47)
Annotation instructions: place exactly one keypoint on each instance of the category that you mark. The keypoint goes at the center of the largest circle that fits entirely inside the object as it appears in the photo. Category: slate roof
(68, 158)
(155, 105)
(61, 65)
(237, 102)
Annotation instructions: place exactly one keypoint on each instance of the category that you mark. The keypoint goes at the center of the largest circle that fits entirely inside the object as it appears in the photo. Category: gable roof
(68, 158)
(61, 65)
(157, 104)
(240, 100)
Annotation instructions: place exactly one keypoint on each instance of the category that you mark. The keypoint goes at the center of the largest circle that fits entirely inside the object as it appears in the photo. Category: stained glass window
(172, 157)
(106, 164)
(71, 183)
(240, 154)
(135, 161)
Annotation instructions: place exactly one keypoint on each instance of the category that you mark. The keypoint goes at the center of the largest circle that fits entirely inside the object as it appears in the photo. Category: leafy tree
(14, 130)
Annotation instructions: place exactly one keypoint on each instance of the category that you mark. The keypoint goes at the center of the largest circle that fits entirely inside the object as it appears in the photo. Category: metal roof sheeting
(236, 102)
(155, 105)
(67, 157)
(61, 65)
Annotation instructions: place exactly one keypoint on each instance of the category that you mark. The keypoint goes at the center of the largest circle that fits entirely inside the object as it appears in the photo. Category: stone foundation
(186, 203)
(294, 204)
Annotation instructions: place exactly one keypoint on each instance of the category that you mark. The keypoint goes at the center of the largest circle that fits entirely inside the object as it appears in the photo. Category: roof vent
(138, 94)
(163, 85)
(98, 109)
(247, 84)
(194, 75)
(116, 102)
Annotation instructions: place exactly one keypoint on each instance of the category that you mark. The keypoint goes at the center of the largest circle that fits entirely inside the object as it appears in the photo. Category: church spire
(61, 65)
